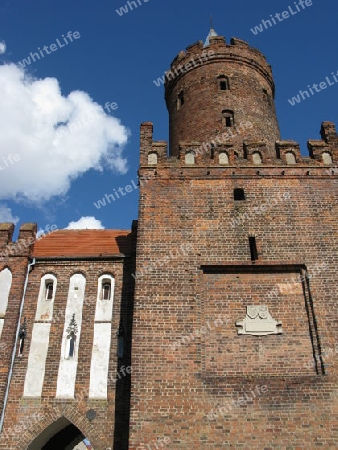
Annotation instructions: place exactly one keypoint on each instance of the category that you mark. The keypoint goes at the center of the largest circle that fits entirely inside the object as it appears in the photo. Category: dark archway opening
(60, 435)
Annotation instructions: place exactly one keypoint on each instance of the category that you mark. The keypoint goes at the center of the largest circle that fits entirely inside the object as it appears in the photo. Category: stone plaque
(258, 322)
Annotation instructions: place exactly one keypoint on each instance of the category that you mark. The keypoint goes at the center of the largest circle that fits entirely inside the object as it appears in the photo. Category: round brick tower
(214, 88)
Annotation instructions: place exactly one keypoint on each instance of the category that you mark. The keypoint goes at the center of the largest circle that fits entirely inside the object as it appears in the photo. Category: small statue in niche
(71, 338)
(22, 336)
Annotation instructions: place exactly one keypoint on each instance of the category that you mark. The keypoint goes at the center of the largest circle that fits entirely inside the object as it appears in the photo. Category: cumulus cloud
(86, 222)
(47, 139)
(7, 216)
(2, 47)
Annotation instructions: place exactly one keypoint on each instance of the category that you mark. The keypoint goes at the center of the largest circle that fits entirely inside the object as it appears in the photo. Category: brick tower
(234, 336)
(224, 86)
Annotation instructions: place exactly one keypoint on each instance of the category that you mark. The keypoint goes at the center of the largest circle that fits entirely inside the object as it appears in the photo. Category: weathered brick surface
(186, 365)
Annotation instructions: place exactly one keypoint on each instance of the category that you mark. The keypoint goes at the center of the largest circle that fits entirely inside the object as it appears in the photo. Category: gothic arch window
(290, 158)
(152, 158)
(228, 118)
(327, 158)
(46, 297)
(256, 158)
(47, 287)
(223, 158)
(105, 288)
(105, 298)
(223, 83)
(190, 158)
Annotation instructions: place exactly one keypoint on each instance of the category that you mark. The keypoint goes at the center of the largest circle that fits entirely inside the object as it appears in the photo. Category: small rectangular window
(253, 248)
(239, 194)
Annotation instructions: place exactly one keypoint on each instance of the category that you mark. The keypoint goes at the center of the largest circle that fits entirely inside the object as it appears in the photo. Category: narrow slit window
(239, 194)
(267, 97)
(253, 248)
(180, 100)
(49, 290)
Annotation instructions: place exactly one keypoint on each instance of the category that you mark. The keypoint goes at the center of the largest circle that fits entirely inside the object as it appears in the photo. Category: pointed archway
(60, 435)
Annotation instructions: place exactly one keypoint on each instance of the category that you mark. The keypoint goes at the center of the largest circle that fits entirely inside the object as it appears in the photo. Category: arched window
(106, 290)
(327, 158)
(152, 158)
(228, 118)
(46, 298)
(223, 158)
(290, 158)
(223, 83)
(190, 158)
(256, 158)
(105, 298)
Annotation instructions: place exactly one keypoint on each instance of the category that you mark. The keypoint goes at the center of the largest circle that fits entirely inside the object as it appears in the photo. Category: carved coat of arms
(258, 322)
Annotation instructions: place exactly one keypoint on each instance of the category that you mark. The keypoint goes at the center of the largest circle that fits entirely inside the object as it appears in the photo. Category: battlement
(230, 152)
(22, 247)
(218, 50)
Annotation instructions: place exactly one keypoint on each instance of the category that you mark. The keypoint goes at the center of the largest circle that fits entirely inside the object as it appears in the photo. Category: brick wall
(28, 418)
(196, 382)
(175, 387)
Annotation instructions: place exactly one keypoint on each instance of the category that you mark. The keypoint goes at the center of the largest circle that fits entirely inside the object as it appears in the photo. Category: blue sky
(114, 59)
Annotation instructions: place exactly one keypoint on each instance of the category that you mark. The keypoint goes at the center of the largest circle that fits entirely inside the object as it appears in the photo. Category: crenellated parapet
(233, 153)
(325, 150)
(24, 244)
(218, 50)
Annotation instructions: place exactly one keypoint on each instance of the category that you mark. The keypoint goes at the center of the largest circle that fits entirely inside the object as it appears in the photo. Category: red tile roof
(83, 243)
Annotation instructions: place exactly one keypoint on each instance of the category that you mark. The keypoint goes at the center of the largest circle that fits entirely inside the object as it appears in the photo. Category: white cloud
(7, 216)
(57, 138)
(86, 222)
(2, 47)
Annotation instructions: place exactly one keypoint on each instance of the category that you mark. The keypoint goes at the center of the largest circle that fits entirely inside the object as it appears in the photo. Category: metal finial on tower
(212, 33)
